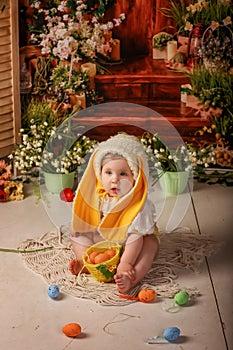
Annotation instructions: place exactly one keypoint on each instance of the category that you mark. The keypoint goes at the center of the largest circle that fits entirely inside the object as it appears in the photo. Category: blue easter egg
(53, 291)
(171, 334)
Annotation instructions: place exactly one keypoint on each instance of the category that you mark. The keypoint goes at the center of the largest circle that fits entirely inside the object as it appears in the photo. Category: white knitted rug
(178, 250)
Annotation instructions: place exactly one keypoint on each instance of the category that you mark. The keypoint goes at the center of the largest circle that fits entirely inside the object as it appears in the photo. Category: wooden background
(143, 21)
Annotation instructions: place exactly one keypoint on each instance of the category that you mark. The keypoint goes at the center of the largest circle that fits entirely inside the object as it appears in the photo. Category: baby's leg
(79, 246)
(126, 269)
(142, 265)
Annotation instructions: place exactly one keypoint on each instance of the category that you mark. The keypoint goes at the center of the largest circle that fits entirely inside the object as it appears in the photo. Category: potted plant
(50, 146)
(212, 88)
(61, 159)
(176, 11)
(160, 41)
(67, 87)
(172, 168)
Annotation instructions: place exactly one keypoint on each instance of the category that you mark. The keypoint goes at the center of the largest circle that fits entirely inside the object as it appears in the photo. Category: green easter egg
(181, 298)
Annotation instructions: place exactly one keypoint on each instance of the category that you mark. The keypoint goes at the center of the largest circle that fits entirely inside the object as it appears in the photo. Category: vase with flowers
(63, 154)
(173, 168)
(49, 146)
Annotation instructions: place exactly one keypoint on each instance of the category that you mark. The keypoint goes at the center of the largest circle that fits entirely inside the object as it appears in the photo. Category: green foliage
(212, 87)
(64, 82)
(212, 177)
(176, 10)
(162, 157)
(37, 110)
(99, 7)
(224, 125)
(160, 40)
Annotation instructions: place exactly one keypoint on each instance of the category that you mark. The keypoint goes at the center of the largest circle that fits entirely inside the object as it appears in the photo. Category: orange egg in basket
(101, 260)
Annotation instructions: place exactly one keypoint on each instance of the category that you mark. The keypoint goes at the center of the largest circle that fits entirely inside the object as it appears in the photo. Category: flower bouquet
(216, 50)
(71, 28)
(9, 190)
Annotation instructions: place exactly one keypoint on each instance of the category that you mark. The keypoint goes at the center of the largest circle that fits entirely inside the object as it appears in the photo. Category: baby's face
(117, 178)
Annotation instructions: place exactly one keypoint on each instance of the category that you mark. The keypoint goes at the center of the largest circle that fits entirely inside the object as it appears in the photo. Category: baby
(112, 204)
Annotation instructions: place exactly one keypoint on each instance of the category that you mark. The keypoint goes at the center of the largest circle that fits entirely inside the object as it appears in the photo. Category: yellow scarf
(114, 225)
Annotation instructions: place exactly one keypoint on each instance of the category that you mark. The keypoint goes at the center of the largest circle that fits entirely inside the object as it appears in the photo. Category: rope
(178, 250)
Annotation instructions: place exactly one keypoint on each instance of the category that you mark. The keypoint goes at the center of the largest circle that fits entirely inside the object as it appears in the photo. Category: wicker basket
(105, 271)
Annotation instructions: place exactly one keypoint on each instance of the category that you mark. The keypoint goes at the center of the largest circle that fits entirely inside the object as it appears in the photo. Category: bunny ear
(85, 206)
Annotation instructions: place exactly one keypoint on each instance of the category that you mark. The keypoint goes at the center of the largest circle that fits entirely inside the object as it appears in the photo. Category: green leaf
(108, 274)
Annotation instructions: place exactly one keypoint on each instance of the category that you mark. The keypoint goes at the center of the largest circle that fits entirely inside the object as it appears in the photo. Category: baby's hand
(126, 268)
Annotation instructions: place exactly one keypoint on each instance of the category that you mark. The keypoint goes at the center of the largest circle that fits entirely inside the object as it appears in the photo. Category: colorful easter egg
(171, 334)
(72, 330)
(53, 291)
(181, 298)
(146, 295)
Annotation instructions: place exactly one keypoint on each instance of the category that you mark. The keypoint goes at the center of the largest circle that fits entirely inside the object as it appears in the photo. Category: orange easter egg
(111, 253)
(88, 260)
(146, 295)
(72, 330)
(101, 257)
(92, 256)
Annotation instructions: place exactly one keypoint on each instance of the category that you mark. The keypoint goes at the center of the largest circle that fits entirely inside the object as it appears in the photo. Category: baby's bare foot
(76, 266)
(123, 282)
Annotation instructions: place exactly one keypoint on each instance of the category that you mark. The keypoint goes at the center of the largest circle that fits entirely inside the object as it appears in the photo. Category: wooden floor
(29, 319)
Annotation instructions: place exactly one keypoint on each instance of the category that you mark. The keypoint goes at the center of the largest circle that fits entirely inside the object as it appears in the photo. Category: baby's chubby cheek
(125, 186)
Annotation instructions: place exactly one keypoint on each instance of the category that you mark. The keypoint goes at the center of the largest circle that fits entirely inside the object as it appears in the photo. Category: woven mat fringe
(180, 249)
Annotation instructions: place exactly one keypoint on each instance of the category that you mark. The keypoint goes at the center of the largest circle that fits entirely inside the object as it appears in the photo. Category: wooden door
(9, 79)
